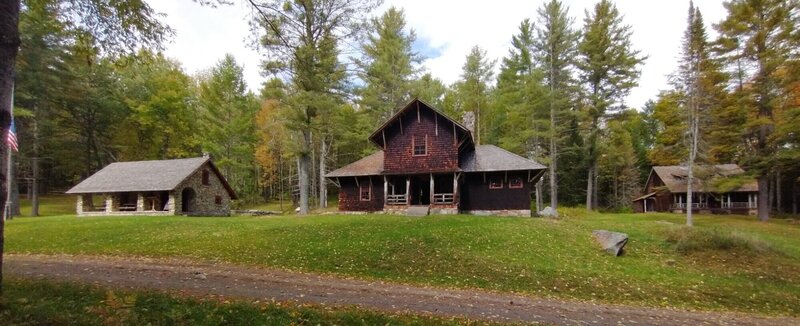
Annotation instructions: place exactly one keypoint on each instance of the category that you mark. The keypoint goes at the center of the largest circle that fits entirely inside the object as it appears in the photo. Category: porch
(435, 190)
(729, 203)
(126, 203)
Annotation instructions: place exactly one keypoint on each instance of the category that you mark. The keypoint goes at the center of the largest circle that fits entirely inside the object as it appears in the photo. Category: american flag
(11, 139)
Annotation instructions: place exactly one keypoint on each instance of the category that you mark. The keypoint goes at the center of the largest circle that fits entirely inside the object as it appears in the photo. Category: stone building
(190, 186)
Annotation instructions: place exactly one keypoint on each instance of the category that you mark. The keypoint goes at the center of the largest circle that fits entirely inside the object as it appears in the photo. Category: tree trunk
(794, 197)
(589, 190)
(323, 189)
(539, 202)
(553, 149)
(303, 172)
(9, 45)
(35, 168)
(595, 197)
(778, 195)
(763, 197)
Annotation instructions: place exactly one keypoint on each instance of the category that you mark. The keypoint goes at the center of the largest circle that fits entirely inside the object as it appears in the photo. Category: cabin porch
(438, 191)
(728, 203)
(126, 203)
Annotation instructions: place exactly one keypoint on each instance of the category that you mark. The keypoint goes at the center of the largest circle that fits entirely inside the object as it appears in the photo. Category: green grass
(50, 205)
(46, 303)
(542, 257)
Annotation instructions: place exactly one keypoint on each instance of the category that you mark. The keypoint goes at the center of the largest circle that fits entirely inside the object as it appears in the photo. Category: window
(218, 200)
(496, 183)
(205, 177)
(420, 145)
(365, 192)
(515, 183)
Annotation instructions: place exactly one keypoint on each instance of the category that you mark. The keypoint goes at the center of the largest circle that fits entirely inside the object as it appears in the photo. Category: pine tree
(760, 34)
(306, 50)
(671, 124)
(473, 89)
(555, 52)
(608, 70)
(388, 65)
(226, 115)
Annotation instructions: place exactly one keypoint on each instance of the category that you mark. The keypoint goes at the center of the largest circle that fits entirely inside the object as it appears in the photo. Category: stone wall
(204, 202)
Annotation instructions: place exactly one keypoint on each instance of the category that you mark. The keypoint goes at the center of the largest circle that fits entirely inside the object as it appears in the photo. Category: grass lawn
(48, 303)
(726, 263)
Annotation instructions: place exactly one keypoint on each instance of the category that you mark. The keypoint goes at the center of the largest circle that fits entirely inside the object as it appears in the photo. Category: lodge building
(429, 163)
(666, 191)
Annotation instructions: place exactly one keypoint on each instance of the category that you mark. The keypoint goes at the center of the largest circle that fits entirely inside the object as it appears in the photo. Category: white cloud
(205, 34)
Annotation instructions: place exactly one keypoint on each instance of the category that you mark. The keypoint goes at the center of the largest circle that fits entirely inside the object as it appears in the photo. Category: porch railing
(738, 204)
(396, 199)
(683, 205)
(446, 198)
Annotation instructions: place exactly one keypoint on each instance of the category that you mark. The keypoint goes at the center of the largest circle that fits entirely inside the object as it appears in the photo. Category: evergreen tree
(608, 70)
(669, 146)
(305, 49)
(429, 89)
(760, 34)
(388, 66)
(474, 89)
(226, 112)
(555, 48)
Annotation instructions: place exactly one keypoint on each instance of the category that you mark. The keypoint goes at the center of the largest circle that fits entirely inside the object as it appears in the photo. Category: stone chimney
(206, 155)
(469, 121)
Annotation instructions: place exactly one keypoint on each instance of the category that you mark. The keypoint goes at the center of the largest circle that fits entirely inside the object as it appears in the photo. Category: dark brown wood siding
(442, 147)
(350, 196)
(476, 195)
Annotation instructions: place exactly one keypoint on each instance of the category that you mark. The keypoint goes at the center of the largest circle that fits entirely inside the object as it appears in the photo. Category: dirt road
(256, 283)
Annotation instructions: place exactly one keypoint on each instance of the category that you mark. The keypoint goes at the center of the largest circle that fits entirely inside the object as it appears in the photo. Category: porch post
(110, 203)
(139, 202)
(729, 200)
(408, 191)
(680, 200)
(455, 189)
(385, 190)
(432, 195)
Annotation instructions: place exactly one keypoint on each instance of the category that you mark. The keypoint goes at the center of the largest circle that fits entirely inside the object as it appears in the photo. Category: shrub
(691, 239)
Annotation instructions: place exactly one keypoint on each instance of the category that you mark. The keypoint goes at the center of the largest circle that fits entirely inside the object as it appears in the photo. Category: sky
(446, 31)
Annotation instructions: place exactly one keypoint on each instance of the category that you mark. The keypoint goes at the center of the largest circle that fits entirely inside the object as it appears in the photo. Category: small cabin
(190, 186)
(666, 191)
(427, 161)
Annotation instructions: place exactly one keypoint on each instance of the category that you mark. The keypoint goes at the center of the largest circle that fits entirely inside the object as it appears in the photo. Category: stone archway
(188, 198)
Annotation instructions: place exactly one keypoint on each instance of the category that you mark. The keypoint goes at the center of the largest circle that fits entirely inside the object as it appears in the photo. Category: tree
(388, 65)
(700, 83)
(473, 87)
(608, 70)
(157, 94)
(760, 34)
(669, 147)
(555, 48)
(122, 26)
(429, 89)
(226, 111)
(302, 39)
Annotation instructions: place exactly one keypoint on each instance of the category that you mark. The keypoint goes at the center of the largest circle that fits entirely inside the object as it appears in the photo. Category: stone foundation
(504, 212)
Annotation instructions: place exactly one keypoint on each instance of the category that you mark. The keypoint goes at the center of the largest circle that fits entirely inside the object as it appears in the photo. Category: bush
(691, 239)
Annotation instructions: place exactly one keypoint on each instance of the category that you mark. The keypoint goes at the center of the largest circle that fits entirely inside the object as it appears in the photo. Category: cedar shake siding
(350, 194)
(476, 195)
(439, 144)
(666, 191)
(429, 160)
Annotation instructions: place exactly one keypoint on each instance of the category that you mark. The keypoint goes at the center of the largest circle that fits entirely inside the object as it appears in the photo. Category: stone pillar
(140, 202)
(408, 191)
(79, 206)
(112, 203)
(174, 201)
(456, 196)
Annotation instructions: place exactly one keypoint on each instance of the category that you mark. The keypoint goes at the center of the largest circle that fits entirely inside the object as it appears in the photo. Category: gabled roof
(674, 177)
(487, 158)
(370, 165)
(158, 175)
(415, 104)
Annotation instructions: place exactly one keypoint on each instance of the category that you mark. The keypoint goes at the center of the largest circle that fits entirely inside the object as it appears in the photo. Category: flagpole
(7, 210)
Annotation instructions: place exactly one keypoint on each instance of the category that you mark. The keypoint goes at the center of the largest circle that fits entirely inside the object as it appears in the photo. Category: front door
(420, 190)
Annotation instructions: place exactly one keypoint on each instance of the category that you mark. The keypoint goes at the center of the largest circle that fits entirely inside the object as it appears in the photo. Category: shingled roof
(159, 175)
(487, 158)
(370, 165)
(674, 178)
